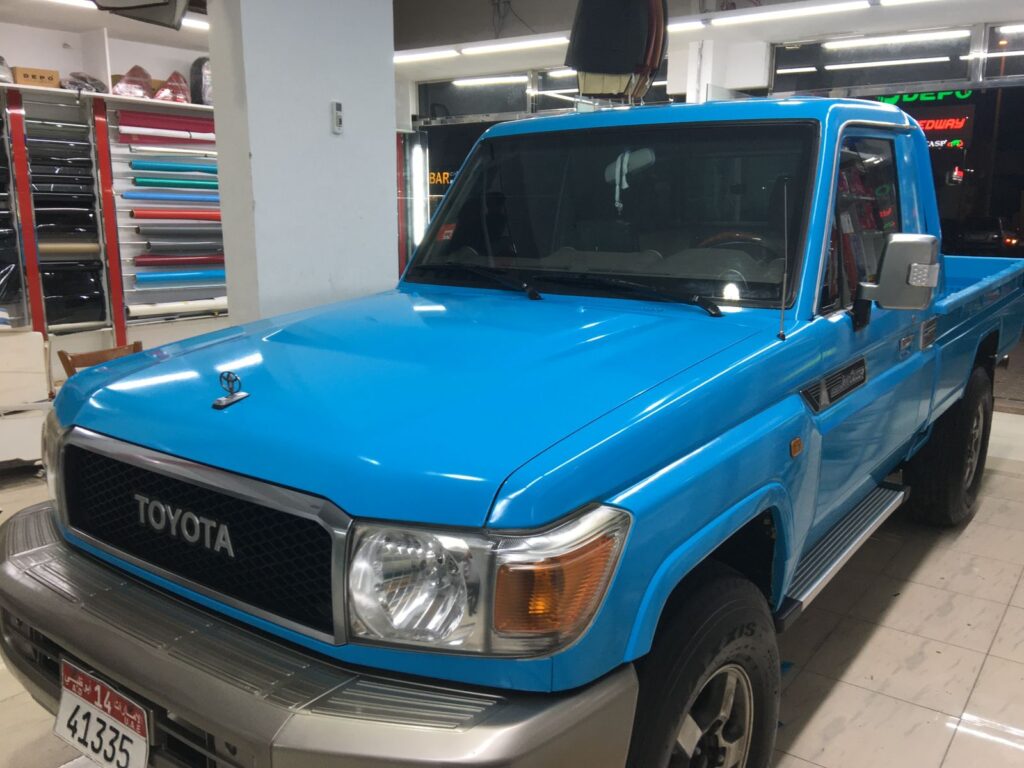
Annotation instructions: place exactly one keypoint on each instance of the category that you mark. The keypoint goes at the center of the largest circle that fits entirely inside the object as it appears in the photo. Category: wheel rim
(717, 730)
(974, 445)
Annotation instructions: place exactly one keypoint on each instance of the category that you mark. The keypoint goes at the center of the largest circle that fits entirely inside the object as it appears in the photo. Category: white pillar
(309, 215)
(704, 71)
(717, 69)
(693, 67)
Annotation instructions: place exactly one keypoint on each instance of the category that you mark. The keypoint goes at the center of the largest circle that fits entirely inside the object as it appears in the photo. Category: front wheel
(709, 689)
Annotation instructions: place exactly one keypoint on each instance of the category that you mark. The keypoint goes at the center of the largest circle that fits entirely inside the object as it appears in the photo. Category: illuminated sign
(946, 126)
(946, 144)
(943, 124)
(927, 96)
(448, 145)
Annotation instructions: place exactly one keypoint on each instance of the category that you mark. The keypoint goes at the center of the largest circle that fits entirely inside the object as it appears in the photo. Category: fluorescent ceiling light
(992, 55)
(560, 73)
(887, 63)
(912, 37)
(659, 83)
(1013, 29)
(77, 3)
(556, 91)
(685, 26)
(501, 80)
(563, 97)
(517, 45)
(405, 58)
(795, 70)
(789, 13)
(193, 23)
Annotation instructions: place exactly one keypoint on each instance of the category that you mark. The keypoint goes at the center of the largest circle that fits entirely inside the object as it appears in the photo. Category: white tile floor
(913, 657)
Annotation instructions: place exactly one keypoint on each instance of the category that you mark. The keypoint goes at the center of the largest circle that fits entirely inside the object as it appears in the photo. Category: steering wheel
(727, 238)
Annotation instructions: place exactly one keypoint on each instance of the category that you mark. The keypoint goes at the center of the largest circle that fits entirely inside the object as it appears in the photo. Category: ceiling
(876, 19)
(923, 15)
(68, 18)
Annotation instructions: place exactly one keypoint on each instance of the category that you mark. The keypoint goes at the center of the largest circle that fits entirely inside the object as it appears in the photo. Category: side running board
(824, 560)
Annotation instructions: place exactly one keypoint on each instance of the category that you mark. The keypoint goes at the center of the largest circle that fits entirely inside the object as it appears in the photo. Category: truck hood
(410, 405)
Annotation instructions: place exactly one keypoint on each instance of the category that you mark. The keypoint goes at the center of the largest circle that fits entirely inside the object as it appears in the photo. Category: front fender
(694, 550)
(688, 509)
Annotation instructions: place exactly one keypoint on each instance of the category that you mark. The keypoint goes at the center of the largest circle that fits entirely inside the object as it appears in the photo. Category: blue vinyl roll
(161, 165)
(184, 276)
(180, 197)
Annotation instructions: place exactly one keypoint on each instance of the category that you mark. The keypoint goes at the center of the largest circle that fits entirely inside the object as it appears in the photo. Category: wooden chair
(74, 362)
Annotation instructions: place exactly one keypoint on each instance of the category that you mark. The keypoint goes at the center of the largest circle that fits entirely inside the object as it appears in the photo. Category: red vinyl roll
(159, 260)
(198, 214)
(134, 138)
(170, 122)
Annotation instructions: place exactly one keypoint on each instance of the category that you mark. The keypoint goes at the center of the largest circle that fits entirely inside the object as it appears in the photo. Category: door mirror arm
(861, 312)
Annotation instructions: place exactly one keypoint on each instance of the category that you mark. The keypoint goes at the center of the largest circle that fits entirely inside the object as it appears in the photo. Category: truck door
(872, 380)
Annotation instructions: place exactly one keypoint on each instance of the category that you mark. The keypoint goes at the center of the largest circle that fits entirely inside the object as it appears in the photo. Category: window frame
(869, 130)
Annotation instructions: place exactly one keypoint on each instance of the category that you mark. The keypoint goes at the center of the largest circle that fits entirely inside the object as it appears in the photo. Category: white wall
(43, 48)
(748, 65)
(309, 216)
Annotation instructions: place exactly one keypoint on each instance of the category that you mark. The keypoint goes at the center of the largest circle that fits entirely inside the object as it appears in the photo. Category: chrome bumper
(240, 699)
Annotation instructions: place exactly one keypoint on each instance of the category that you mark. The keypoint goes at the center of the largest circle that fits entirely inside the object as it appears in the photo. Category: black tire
(945, 475)
(721, 630)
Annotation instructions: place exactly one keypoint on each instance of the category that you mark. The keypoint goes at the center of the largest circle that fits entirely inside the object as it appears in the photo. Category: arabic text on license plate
(103, 725)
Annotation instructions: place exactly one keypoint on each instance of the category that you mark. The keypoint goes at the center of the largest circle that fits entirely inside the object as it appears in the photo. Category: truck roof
(825, 111)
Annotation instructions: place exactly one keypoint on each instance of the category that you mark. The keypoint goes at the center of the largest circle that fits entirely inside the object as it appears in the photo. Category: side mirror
(908, 273)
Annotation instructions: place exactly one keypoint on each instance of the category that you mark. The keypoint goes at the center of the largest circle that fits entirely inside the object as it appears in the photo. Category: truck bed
(968, 277)
(983, 298)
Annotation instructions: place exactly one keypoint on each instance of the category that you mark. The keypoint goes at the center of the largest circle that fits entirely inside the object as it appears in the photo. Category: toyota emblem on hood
(231, 383)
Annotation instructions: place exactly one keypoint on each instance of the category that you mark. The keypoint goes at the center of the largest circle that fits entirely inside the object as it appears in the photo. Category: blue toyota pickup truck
(652, 377)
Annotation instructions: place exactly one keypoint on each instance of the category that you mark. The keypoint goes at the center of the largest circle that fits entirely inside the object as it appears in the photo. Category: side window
(867, 210)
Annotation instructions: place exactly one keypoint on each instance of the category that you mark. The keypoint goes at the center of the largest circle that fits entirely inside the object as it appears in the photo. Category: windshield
(700, 210)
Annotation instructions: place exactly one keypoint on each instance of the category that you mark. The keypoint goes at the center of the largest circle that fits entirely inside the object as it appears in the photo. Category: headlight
(511, 595)
(410, 584)
(52, 432)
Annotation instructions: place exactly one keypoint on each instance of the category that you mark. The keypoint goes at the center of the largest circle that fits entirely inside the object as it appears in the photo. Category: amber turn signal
(557, 595)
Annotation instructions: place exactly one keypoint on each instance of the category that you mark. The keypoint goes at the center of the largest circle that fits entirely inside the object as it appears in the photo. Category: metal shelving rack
(66, 214)
(13, 296)
(33, 113)
(133, 244)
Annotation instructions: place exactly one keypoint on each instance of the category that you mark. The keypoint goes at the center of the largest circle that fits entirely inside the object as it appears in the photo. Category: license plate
(108, 728)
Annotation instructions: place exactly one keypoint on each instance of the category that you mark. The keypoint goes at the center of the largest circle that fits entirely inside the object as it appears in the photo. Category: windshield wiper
(608, 281)
(488, 274)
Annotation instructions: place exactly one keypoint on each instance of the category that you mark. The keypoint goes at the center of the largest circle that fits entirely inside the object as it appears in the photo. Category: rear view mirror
(629, 162)
(908, 273)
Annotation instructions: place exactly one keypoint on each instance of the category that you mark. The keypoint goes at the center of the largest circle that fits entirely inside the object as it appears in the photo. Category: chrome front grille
(285, 558)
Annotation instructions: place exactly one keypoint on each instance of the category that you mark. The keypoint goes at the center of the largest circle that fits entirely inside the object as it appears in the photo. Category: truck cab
(651, 378)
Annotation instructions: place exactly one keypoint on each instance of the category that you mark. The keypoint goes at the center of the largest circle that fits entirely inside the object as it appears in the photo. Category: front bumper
(222, 695)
